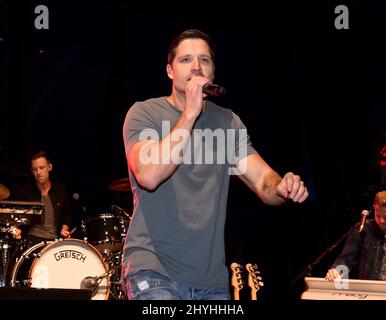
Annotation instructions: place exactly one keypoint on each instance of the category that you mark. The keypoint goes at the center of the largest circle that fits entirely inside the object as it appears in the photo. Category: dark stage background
(313, 99)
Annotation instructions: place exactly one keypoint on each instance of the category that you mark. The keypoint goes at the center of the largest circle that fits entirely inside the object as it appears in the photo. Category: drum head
(66, 263)
(20, 271)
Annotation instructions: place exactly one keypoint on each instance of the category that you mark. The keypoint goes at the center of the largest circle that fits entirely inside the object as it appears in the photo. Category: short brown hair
(41, 154)
(190, 34)
(380, 198)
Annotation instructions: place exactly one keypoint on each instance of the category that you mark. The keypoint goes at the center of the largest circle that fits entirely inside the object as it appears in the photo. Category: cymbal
(120, 185)
(4, 192)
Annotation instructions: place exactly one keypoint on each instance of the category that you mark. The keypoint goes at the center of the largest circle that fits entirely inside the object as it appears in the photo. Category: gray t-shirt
(47, 230)
(178, 229)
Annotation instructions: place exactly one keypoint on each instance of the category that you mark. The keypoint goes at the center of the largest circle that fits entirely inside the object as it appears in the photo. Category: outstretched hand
(292, 187)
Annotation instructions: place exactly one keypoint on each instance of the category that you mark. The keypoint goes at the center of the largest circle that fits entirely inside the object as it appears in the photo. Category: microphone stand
(309, 268)
(92, 283)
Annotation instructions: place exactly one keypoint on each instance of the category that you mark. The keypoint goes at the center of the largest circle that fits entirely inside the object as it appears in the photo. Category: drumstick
(71, 232)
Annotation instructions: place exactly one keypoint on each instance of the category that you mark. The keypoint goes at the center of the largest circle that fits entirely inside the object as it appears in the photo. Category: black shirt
(58, 195)
(363, 252)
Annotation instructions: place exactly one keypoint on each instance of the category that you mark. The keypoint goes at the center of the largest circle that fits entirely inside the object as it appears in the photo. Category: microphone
(76, 197)
(212, 89)
(90, 283)
(365, 213)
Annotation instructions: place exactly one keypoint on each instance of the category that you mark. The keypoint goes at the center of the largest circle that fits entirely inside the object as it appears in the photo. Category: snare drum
(63, 264)
(105, 231)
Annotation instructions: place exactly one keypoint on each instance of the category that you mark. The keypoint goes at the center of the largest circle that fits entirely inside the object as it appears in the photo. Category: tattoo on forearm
(267, 187)
(270, 183)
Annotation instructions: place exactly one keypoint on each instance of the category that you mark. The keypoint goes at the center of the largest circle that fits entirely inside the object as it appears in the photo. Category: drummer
(57, 212)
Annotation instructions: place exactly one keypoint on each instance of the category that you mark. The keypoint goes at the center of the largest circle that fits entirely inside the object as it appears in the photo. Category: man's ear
(50, 167)
(169, 71)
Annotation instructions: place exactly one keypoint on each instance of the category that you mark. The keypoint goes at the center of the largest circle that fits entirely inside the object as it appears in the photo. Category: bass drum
(63, 264)
(20, 270)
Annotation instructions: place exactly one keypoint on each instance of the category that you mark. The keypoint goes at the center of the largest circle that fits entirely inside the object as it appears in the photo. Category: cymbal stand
(4, 253)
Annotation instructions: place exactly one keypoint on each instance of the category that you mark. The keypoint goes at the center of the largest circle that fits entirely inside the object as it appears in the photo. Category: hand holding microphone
(196, 89)
(212, 89)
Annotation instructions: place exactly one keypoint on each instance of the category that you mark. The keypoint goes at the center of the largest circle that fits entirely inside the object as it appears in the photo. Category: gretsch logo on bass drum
(69, 254)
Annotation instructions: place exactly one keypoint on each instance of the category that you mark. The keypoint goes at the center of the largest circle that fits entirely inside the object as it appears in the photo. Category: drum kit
(93, 262)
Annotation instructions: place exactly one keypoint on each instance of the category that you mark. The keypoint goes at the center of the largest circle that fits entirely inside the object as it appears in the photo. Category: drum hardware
(8, 229)
(120, 211)
(35, 266)
(116, 292)
(21, 212)
(113, 260)
(5, 229)
(4, 254)
(105, 232)
(63, 264)
(6, 246)
(92, 283)
(29, 263)
(15, 213)
(27, 256)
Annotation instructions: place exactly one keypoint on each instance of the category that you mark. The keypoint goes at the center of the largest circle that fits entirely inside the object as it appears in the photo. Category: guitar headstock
(237, 279)
(254, 279)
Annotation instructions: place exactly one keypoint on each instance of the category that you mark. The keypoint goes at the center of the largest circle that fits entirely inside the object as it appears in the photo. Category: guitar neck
(236, 294)
(253, 280)
(237, 281)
